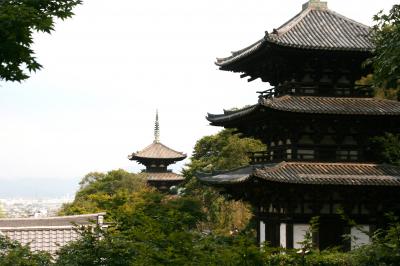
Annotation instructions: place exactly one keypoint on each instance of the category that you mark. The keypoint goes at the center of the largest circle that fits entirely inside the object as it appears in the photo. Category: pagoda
(317, 124)
(156, 157)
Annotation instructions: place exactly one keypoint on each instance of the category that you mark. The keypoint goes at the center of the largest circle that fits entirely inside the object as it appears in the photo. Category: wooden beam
(251, 79)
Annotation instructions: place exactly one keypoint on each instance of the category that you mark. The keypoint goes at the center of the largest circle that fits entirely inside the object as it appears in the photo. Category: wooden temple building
(156, 157)
(317, 124)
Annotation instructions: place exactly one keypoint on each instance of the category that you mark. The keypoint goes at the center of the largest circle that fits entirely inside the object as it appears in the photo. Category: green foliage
(155, 229)
(222, 151)
(385, 248)
(14, 254)
(387, 148)
(386, 59)
(380, 92)
(98, 192)
(18, 20)
(314, 258)
(147, 227)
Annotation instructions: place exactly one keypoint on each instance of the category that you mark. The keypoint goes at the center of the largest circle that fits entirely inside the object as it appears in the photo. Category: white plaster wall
(282, 235)
(299, 231)
(359, 237)
(262, 232)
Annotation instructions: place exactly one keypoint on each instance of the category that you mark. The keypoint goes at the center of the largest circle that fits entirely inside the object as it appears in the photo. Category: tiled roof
(313, 173)
(49, 221)
(232, 115)
(316, 105)
(47, 234)
(313, 28)
(334, 105)
(234, 176)
(348, 174)
(163, 176)
(157, 150)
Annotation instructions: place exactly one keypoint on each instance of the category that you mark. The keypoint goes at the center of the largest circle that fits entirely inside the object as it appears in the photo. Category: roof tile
(157, 150)
(316, 105)
(312, 28)
(313, 173)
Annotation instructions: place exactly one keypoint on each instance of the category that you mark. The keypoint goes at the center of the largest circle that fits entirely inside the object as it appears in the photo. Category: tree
(386, 148)
(18, 20)
(14, 254)
(151, 228)
(386, 59)
(98, 191)
(222, 151)
(147, 227)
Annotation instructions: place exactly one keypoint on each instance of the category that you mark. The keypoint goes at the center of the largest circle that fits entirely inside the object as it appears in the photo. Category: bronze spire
(157, 129)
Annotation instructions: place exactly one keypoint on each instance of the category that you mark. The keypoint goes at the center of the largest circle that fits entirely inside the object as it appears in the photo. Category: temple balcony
(318, 89)
(320, 154)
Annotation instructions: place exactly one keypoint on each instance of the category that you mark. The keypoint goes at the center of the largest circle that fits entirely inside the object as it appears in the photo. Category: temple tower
(317, 124)
(156, 157)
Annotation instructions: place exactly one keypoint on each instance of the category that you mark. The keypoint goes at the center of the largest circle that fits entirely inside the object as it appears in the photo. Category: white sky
(108, 68)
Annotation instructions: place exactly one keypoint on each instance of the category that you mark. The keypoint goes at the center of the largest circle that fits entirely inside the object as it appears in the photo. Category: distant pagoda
(156, 157)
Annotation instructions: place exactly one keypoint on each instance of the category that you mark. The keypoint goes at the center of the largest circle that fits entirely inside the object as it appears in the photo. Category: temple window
(288, 153)
(349, 140)
(306, 139)
(325, 209)
(351, 155)
(307, 79)
(305, 154)
(327, 140)
(330, 130)
(308, 129)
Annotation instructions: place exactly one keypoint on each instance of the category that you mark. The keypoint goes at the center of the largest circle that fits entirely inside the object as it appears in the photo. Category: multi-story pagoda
(317, 124)
(156, 157)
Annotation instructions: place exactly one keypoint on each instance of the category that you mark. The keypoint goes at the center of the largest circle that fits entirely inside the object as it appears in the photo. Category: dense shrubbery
(14, 254)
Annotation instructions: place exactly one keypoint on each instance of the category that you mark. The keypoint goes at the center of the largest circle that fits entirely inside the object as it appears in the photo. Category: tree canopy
(19, 19)
(222, 151)
(386, 59)
(99, 191)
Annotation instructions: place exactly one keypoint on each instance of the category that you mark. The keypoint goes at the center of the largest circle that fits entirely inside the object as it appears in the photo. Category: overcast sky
(114, 63)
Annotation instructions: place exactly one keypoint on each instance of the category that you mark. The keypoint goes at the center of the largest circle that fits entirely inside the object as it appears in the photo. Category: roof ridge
(334, 163)
(53, 217)
(292, 22)
(155, 148)
(348, 19)
(335, 97)
(165, 146)
(288, 25)
(273, 168)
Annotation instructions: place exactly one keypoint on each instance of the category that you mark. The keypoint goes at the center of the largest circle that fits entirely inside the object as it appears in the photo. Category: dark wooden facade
(317, 125)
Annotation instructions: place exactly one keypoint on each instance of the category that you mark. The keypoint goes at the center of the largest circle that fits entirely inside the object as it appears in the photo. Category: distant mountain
(38, 188)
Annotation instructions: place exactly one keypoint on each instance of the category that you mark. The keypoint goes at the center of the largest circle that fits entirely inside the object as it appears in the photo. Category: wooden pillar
(289, 234)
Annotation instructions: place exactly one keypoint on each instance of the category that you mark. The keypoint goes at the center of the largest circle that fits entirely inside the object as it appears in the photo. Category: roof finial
(315, 4)
(157, 129)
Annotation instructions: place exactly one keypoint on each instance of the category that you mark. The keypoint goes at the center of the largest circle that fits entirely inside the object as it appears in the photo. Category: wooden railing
(318, 89)
(331, 154)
